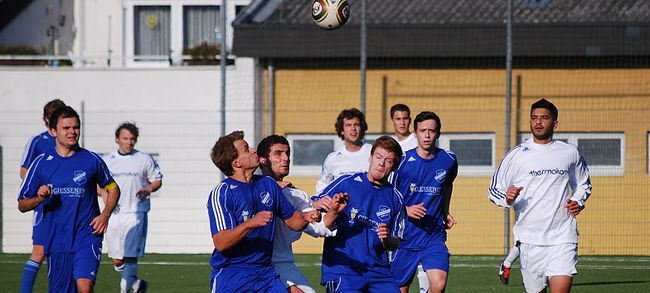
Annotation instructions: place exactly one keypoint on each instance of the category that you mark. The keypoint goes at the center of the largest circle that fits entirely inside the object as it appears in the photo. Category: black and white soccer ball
(330, 14)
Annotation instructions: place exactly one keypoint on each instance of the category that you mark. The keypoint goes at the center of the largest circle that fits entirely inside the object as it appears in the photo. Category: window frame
(594, 170)
(444, 142)
(176, 28)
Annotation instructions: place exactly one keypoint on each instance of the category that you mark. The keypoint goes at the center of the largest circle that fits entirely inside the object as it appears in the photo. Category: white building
(128, 65)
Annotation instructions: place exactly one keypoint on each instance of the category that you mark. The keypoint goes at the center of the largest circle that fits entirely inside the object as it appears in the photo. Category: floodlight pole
(363, 64)
(223, 54)
(506, 211)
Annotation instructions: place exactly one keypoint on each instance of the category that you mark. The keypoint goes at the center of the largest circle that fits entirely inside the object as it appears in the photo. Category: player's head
(126, 136)
(231, 153)
(543, 119)
(427, 129)
(65, 126)
(351, 125)
(274, 153)
(400, 116)
(49, 108)
(385, 157)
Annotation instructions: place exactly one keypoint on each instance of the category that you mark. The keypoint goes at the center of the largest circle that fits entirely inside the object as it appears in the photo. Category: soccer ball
(330, 14)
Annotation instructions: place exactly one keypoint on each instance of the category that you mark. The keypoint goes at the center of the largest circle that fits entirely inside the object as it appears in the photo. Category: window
(199, 24)
(474, 151)
(308, 152)
(152, 31)
(604, 152)
(157, 32)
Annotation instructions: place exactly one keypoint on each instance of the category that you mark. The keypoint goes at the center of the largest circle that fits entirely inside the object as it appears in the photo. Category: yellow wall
(612, 100)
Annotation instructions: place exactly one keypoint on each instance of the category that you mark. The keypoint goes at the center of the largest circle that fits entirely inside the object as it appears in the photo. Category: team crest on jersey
(353, 215)
(412, 187)
(266, 199)
(79, 177)
(245, 214)
(383, 213)
(441, 175)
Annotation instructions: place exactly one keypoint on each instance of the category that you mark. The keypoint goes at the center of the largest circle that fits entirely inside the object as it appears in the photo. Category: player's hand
(573, 207)
(339, 202)
(382, 231)
(44, 192)
(450, 222)
(416, 211)
(260, 219)
(312, 216)
(99, 224)
(512, 193)
(143, 193)
(322, 204)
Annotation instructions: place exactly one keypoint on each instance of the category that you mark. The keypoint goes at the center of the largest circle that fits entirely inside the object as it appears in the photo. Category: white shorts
(290, 275)
(539, 263)
(126, 235)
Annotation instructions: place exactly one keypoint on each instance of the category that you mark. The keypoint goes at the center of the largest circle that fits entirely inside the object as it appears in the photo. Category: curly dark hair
(350, 114)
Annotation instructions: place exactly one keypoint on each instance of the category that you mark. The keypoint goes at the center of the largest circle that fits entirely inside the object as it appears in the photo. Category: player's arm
(390, 242)
(23, 172)
(580, 185)
(30, 203)
(498, 191)
(147, 190)
(446, 202)
(339, 202)
(100, 223)
(225, 239)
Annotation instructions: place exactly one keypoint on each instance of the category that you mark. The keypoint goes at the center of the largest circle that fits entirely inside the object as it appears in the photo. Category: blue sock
(30, 271)
(130, 273)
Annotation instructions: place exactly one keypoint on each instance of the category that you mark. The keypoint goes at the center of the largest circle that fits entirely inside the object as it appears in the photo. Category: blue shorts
(66, 267)
(247, 279)
(361, 283)
(404, 262)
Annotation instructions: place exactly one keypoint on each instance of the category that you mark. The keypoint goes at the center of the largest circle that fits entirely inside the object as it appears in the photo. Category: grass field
(191, 273)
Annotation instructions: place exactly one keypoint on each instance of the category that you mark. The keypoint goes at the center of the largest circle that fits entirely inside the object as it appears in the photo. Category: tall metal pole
(223, 53)
(363, 56)
(271, 99)
(506, 213)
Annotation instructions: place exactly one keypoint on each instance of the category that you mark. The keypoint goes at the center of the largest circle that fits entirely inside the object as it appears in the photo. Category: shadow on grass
(608, 283)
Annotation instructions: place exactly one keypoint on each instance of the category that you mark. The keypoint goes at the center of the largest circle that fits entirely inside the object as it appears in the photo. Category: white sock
(512, 256)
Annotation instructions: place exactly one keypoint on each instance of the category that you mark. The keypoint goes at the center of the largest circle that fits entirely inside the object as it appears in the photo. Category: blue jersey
(231, 203)
(37, 145)
(356, 248)
(423, 181)
(73, 203)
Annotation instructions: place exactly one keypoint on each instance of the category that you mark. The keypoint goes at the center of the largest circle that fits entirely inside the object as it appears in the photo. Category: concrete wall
(177, 110)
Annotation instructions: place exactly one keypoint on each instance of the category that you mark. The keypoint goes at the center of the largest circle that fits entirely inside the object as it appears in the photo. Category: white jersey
(132, 172)
(343, 162)
(284, 237)
(545, 171)
(409, 143)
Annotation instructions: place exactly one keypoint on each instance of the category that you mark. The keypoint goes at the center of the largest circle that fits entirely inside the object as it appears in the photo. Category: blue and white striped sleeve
(501, 180)
(220, 209)
(29, 153)
(29, 186)
(398, 221)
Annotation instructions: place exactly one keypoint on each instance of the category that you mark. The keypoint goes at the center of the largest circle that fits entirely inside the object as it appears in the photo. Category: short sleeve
(220, 209)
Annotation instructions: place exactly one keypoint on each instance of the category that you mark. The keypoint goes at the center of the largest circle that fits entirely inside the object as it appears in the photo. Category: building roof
(448, 28)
